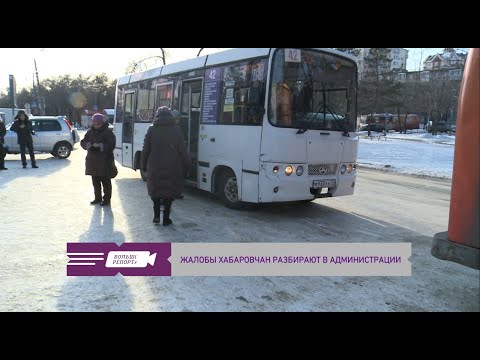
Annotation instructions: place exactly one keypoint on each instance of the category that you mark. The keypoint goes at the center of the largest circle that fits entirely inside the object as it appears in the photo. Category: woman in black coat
(164, 159)
(3, 152)
(23, 127)
(99, 141)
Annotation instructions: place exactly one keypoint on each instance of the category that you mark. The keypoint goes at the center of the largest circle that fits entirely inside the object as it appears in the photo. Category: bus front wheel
(228, 191)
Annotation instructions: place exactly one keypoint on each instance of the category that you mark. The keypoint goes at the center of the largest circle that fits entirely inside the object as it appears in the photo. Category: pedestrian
(23, 127)
(164, 159)
(99, 141)
(3, 150)
(177, 116)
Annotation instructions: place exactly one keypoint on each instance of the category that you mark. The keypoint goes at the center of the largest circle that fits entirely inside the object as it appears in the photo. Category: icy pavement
(47, 207)
(416, 153)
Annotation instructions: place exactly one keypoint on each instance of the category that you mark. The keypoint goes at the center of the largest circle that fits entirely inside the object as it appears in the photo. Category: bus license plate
(317, 184)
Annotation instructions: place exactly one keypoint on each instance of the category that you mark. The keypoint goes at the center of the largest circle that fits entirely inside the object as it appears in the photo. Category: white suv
(53, 134)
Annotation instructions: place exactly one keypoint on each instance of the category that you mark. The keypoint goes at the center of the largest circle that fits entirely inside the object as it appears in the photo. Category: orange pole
(463, 225)
(463, 242)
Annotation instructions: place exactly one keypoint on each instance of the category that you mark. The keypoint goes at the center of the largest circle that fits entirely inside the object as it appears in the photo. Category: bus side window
(255, 108)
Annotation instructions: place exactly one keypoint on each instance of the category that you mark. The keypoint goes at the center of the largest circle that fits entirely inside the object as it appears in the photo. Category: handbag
(114, 171)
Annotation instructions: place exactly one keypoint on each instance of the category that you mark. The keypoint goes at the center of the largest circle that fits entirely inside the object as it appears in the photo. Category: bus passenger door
(190, 109)
(127, 129)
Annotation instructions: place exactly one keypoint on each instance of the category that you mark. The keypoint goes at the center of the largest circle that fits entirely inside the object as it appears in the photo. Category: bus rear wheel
(228, 192)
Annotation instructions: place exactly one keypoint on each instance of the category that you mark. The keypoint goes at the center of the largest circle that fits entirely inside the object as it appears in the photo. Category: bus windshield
(312, 90)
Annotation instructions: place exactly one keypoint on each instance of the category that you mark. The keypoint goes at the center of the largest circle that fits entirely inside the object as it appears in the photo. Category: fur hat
(98, 118)
(163, 113)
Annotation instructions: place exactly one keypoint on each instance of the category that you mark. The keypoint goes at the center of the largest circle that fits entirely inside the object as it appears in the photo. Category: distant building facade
(398, 57)
(449, 59)
(447, 65)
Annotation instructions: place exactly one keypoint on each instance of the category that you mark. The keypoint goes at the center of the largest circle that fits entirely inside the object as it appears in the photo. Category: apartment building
(398, 57)
(447, 65)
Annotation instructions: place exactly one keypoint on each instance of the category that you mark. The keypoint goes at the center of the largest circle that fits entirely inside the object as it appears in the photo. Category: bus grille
(322, 169)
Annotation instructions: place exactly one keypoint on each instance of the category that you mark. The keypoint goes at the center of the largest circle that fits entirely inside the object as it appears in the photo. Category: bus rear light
(349, 168)
(275, 169)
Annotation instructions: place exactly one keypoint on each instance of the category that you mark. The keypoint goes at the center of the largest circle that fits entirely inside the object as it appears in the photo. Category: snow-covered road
(45, 208)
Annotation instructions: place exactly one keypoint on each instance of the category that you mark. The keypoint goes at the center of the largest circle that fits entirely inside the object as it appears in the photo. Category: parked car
(442, 126)
(412, 122)
(110, 113)
(373, 127)
(53, 134)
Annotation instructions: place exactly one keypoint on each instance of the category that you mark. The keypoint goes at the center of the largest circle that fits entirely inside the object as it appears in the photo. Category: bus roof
(206, 61)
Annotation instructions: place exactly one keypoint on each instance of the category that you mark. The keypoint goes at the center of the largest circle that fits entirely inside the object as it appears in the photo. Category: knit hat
(98, 118)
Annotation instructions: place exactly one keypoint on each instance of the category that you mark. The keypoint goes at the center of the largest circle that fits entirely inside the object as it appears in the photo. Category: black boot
(166, 221)
(156, 211)
(97, 190)
(166, 212)
(2, 167)
(107, 191)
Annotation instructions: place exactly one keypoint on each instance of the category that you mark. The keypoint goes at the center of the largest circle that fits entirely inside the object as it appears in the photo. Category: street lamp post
(96, 89)
(40, 98)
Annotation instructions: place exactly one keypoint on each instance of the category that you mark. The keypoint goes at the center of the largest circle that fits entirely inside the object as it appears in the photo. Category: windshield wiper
(339, 122)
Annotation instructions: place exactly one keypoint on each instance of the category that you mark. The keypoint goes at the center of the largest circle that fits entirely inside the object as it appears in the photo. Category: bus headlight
(343, 168)
(300, 170)
(289, 170)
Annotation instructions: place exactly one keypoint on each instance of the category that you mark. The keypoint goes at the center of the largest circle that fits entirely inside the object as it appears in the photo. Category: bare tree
(351, 51)
(375, 85)
(147, 63)
(163, 56)
(441, 99)
(152, 61)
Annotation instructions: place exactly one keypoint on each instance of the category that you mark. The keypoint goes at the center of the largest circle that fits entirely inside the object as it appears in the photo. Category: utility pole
(35, 95)
(41, 103)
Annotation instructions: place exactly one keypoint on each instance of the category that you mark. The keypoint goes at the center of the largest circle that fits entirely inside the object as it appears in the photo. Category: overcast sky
(53, 62)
